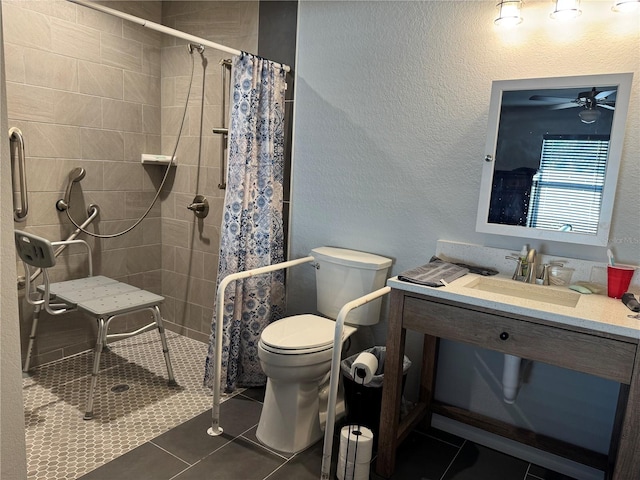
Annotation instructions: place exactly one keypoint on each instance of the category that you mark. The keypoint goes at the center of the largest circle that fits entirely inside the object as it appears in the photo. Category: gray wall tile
(100, 80)
(78, 41)
(50, 70)
(119, 115)
(119, 52)
(98, 144)
(77, 109)
(25, 27)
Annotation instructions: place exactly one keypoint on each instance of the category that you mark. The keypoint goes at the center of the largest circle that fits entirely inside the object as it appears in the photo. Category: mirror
(552, 157)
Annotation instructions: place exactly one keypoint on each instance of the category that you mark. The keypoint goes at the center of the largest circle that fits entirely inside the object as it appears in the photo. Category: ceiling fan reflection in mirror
(588, 100)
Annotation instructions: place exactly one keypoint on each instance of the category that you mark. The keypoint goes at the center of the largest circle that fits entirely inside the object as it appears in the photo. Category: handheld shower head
(75, 176)
(193, 47)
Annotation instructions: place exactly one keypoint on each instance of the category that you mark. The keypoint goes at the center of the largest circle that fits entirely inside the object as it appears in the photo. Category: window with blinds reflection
(566, 193)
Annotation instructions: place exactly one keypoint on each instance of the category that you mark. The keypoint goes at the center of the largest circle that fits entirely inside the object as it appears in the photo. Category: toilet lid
(300, 332)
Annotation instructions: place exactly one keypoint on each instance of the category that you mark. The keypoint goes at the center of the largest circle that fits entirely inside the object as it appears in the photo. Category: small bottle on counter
(524, 266)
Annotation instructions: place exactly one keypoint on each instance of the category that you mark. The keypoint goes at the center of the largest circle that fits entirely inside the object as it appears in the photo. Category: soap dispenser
(524, 266)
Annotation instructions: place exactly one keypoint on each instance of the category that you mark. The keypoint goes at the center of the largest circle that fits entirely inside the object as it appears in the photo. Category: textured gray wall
(390, 126)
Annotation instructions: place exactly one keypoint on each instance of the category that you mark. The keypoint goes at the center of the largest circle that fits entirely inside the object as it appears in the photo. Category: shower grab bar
(223, 174)
(16, 141)
(335, 375)
(224, 131)
(215, 428)
(93, 211)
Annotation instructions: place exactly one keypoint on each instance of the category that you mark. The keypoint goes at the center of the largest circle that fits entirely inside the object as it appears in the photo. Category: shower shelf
(152, 159)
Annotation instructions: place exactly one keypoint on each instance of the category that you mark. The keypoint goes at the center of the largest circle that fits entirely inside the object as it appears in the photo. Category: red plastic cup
(618, 280)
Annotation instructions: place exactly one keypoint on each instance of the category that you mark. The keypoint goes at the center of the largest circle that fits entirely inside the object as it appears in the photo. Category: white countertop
(595, 312)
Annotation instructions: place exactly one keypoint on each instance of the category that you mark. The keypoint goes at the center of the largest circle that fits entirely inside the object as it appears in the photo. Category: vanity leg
(392, 390)
(627, 464)
(428, 376)
(614, 445)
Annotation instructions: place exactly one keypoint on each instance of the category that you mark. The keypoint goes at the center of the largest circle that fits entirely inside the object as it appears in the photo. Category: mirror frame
(623, 81)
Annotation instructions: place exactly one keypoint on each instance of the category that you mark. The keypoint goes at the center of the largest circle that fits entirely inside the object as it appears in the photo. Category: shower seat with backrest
(97, 296)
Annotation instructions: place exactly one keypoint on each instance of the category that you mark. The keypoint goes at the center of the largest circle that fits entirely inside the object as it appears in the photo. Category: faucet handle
(518, 273)
(545, 274)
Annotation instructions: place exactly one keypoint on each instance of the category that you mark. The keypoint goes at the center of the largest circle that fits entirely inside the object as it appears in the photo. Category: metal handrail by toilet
(335, 375)
(215, 429)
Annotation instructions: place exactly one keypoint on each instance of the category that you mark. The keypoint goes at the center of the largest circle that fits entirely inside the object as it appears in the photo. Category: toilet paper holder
(364, 368)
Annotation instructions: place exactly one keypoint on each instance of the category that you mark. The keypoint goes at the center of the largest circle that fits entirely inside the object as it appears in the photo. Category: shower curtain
(251, 232)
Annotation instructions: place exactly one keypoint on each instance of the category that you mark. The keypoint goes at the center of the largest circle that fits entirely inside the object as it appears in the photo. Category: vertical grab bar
(16, 141)
(225, 65)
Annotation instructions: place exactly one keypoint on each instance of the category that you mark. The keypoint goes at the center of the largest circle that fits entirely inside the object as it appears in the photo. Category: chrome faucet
(526, 269)
(532, 268)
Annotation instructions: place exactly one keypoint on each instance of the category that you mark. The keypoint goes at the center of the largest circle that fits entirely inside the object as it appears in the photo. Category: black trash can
(364, 402)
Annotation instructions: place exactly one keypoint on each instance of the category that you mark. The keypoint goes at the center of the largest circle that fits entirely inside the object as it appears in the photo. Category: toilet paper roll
(352, 471)
(356, 444)
(364, 368)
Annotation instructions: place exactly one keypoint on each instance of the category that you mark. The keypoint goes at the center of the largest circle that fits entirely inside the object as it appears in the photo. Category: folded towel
(436, 273)
(484, 271)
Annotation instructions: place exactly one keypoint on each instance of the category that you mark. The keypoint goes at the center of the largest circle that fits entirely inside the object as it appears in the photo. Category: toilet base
(290, 420)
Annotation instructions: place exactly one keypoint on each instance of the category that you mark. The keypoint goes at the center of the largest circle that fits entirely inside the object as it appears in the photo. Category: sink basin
(527, 291)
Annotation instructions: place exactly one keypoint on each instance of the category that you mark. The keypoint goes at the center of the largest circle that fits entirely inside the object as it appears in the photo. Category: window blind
(566, 193)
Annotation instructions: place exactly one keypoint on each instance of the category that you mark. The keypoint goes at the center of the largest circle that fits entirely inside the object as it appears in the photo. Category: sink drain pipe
(510, 378)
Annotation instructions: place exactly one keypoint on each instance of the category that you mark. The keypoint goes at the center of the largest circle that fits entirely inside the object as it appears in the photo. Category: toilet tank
(343, 275)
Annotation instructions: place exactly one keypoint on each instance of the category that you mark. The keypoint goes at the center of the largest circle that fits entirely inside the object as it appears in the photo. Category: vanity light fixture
(589, 115)
(565, 9)
(626, 5)
(509, 12)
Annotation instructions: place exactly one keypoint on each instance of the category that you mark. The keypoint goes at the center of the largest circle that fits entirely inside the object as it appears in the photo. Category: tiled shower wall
(190, 245)
(89, 89)
(84, 88)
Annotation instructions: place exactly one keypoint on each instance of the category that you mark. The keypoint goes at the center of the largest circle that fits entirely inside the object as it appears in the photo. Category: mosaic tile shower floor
(61, 445)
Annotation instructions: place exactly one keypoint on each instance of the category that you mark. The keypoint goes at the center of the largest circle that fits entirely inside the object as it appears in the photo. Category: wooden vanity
(596, 338)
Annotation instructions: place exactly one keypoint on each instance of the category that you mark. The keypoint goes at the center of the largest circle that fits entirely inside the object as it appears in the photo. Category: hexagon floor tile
(132, 405)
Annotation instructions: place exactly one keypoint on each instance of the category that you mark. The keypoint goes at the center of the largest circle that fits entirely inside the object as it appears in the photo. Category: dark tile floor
(186, 452)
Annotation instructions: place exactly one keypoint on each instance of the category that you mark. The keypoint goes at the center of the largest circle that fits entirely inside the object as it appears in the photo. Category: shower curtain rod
(161, 28)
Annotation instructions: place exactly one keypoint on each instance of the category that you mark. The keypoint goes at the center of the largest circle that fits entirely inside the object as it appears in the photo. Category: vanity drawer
(601, 356)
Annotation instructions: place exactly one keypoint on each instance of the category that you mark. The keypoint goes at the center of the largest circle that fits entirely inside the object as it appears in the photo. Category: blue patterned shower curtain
(251, 234)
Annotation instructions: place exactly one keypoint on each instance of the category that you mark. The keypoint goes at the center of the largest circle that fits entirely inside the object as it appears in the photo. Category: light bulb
(509, 13)
(589, 115)
(626, 5)
(566, 9)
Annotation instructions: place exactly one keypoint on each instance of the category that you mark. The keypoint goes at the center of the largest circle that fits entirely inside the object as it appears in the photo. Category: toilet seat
(286, 337)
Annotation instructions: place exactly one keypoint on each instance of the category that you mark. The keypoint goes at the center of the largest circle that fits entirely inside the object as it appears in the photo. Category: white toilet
(295, 352)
